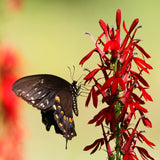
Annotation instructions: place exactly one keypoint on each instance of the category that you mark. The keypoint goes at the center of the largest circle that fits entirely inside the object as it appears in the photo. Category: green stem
(117, 132)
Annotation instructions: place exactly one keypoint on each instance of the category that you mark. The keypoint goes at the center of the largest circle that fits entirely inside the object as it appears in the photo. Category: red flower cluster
(11, 135)
(15, 4)
(123, 89)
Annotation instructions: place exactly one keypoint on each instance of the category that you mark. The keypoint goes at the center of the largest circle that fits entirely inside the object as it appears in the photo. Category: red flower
(97, 144)
(131, 139)
(144, 154)
(115, 80)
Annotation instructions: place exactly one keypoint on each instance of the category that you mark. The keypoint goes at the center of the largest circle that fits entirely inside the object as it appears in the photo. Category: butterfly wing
(53, 96)
(39, 90)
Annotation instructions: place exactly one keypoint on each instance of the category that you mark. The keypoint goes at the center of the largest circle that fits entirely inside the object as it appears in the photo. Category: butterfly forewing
(55, 98)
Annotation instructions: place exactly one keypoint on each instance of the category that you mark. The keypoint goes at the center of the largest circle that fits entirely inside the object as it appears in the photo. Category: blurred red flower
(14, 4)
(11, 136)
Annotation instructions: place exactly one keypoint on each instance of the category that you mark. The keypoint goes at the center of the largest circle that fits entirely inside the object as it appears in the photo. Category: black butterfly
(55, 97)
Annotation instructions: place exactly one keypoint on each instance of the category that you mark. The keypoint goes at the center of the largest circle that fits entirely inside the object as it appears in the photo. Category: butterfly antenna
(70, 73)
(73, 72)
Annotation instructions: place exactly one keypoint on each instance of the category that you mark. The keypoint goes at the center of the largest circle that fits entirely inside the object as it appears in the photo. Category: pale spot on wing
(43, 95)
(59, 107)
(35, 88)
(56, 116)
(47, 101)
(33, 102)
(57, 99)
(54, 106)
(60, 124)
(39, 92)
(42, 81)
(32, 98)
(42, 105)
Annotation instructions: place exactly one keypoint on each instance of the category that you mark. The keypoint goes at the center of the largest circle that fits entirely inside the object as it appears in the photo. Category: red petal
(124, 27)
(139, 107)
(138, 60)
(143, 51)
(100, 121)
(95, 98)
(141, 66)
(99, 37)
(87, 57)
(88, 98)
(107, 46)
(112, 123)
(123, 112)
(121, 83)
(125, 64)
(107, 83)
(144, 63)
(91, 146)
(98, 116)
(146, 95)
(133, 25)
(114, 45)
(91, 74)
(140, 78)
(95, 149)
(144, 153)
(147, 122)
(137, 99)
(103, 25)
(114, 86)
(97, 143)
(147, 141)
(132, 109)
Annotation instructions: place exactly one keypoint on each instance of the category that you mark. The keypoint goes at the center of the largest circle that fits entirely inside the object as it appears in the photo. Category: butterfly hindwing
(63, 113)
(55, 98)
(48, 120)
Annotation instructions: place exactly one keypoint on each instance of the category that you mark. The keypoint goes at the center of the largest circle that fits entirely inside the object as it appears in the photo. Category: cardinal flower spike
(118, 88)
